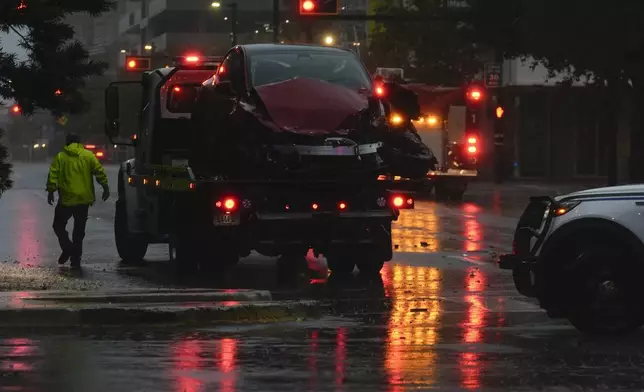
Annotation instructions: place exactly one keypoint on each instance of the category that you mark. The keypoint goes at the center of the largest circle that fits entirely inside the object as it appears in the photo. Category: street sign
(492, 75)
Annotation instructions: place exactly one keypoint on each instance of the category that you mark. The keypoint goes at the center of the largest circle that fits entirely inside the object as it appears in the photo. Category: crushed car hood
(310, 106)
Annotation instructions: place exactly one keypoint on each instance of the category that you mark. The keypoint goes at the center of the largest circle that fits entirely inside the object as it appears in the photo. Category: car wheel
(606, 292)
(130, 249)
(522, 277)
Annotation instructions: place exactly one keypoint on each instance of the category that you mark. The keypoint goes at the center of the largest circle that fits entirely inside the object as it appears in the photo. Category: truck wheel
(457, 194)
(292, 268)
(441, 193)
(341, 265)
(370, 266)
(131, 249)
(605, 294)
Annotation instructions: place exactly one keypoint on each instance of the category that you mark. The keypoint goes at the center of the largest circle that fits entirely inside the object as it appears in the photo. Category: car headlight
(565, 207)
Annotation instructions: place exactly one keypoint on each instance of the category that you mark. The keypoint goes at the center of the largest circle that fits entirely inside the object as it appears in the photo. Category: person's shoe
(76, 265)
(64, 257)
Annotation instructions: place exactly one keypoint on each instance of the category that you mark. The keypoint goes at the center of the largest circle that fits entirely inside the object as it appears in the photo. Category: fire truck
(449, 126)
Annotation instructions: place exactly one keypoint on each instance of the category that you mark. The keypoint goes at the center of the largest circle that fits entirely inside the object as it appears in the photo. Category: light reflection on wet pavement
(443, 317)
(421, 328)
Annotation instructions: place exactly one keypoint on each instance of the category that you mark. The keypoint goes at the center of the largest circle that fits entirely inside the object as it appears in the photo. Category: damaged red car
(300, 101)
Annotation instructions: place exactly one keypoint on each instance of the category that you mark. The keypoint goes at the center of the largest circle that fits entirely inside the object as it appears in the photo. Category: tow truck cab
(161, 200)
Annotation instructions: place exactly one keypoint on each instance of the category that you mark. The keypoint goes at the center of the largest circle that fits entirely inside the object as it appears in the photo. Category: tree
(439, 52)
(599, 42)
(57, 66)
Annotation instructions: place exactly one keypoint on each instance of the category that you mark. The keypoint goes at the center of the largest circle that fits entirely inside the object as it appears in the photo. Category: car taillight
(100, 154)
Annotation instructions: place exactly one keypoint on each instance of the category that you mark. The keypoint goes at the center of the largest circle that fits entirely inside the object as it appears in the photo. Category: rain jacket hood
(72, 175)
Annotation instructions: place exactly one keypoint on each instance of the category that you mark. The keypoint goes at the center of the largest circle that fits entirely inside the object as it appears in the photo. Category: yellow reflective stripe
(166, 183)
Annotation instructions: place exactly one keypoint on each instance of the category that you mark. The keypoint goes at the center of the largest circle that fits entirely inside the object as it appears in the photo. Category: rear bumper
(322, 231)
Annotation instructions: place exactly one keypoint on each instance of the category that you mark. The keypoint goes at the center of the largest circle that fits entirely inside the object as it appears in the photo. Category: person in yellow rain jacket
(72, 175)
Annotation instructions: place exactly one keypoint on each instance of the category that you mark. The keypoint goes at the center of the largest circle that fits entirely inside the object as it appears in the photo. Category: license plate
(226, 220)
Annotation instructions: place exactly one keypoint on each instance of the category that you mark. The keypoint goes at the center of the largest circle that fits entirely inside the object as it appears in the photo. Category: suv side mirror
(225, 87)
(112, 124)
(403, 100)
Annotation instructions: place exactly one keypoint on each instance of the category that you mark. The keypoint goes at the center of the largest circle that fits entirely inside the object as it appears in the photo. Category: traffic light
(15, 109)
(319, 7)
(499, 112)
(475, 98)
(137, 63)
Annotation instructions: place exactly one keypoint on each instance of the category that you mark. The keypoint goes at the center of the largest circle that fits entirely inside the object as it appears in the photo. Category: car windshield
(334, 67)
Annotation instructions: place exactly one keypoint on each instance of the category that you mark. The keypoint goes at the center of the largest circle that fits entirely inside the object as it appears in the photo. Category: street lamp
(233, 19)
(329, 40)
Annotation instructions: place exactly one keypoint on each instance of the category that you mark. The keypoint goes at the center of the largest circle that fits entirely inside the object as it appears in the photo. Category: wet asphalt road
(442, 316)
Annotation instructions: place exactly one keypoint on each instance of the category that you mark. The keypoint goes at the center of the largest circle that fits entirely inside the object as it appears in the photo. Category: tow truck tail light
(227, 204)
(402, 202)
(379, 90)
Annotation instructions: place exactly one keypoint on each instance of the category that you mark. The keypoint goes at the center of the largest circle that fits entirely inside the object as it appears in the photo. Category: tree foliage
(582, 38)
(434, 51)
(56, 68)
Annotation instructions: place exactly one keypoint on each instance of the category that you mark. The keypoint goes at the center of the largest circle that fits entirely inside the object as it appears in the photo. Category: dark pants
(73, 248)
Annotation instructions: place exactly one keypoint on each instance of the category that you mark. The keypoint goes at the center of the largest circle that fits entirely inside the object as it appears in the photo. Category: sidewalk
(531, 188)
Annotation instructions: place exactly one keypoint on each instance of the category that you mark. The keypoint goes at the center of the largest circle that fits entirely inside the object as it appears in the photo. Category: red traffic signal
(475, 94)
(319, 7)
(137, 63)
(16, 109)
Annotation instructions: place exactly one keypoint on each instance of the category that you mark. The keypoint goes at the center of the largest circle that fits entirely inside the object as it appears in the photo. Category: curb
(148, 307)
(257, 312)
(143, 296)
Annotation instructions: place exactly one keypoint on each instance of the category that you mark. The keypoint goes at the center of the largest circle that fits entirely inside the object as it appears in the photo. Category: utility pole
(233, 17)
(276, 21)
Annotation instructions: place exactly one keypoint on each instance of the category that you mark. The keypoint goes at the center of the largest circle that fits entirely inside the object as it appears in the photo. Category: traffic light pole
(276, 21)
(499, 129)
(233, 17)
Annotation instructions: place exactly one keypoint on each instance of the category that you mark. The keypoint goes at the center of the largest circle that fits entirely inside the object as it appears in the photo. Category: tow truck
(211, 221)
(446, 128)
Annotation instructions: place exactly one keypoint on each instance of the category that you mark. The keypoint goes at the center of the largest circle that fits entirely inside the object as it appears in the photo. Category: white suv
(582, 256)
